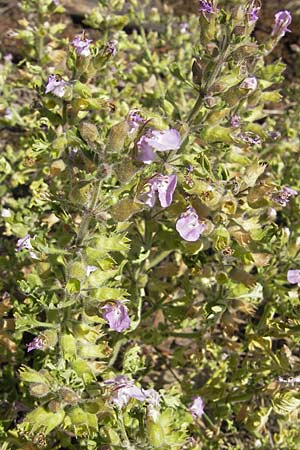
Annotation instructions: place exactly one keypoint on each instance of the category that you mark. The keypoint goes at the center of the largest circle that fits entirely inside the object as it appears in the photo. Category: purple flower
(249, 83)
(207, 6)
(24, 243)
(282, 21)
(283, 197)
(293, 276)
(123, 390)
(36, 344)
(145, 151)
(160, 141)
(253, 12)
(116, 314)
(111, 48)
(164, 186)
(56, 85)
(235, 121)
(134, 120)
(188, 225)
(197, 407)
(163, 141)
(82, 45)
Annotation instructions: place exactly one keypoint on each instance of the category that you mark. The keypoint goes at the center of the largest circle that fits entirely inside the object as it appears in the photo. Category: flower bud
(282, 20)
(197, 71)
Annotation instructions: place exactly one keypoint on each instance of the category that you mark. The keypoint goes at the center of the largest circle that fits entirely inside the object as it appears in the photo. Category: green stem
(208, 85)
(116, 351)
(195, 109)
(123, 430)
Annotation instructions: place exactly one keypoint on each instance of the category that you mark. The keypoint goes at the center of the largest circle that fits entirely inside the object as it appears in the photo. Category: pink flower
(249, 83)
(116, 314)
(56, 86)
(82, 45)
(123, 390)
(282, 20)
(293, 276)
(164, 186)
(188, 225)
(197, 407)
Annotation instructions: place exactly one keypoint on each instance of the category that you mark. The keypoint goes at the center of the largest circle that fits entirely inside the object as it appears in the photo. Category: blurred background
(288, 48)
